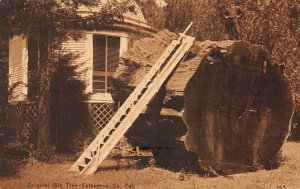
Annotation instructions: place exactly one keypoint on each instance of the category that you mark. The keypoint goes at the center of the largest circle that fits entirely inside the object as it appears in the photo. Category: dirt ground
(137, 172)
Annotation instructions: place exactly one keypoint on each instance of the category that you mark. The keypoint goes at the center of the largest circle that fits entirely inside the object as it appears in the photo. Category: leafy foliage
(56, 18)
(275, 26)
(179, 13)
(154, 14)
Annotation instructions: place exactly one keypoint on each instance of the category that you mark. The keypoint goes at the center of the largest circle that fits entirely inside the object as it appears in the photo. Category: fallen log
(237, 106)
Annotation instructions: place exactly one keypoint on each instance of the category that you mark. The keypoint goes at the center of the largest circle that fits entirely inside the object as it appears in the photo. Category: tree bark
(44, 143)
(43, 118)
(3, 83)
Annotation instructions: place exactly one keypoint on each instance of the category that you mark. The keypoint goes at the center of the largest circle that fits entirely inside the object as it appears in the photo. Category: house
(99, 52)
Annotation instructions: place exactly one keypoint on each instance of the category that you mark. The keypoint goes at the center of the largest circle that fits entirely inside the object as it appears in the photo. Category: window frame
(106, 74)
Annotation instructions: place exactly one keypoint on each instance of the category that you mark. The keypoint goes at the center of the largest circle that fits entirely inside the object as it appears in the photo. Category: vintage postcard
(154, 94)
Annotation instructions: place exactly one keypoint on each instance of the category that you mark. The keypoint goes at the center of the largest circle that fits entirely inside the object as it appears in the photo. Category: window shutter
(18, 60)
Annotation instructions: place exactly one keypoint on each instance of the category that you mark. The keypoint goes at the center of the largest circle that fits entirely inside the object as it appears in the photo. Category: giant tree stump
(238, 107)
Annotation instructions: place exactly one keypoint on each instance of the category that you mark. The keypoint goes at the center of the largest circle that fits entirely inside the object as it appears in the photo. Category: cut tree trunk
(237, 107)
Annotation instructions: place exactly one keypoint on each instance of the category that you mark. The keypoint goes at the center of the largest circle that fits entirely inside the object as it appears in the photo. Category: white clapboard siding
(18, 60)
(80, 48)
(76, 47)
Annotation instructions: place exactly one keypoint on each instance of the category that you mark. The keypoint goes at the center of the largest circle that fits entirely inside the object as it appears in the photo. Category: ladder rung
(144, 90)
(106, 138)
(112, 131)
(122, 118)
(117, 124)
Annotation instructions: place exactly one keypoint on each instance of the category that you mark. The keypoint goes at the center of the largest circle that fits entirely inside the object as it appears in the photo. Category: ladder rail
(151, 91)
(182, 35)
(100, 147)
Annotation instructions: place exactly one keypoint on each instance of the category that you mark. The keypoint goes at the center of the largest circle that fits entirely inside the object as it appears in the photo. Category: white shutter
(18, 60)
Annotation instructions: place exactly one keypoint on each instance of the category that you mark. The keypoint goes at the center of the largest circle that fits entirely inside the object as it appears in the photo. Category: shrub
(69, 113)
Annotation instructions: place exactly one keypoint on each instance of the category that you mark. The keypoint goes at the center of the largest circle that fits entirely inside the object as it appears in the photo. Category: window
(106, 50)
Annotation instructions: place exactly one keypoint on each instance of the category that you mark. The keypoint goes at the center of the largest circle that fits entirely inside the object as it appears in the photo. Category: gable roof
(135, 18)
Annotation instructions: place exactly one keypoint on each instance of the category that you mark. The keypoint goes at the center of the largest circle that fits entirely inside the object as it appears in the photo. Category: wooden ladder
(109, 136)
